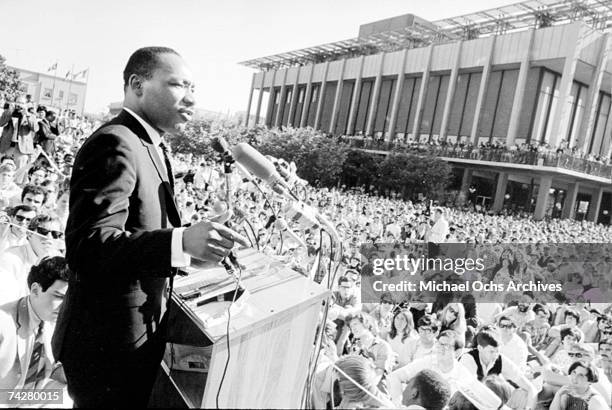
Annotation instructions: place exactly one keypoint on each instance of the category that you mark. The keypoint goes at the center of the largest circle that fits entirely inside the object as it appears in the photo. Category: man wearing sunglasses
(13, 233)
(44, 238)
(512, 346)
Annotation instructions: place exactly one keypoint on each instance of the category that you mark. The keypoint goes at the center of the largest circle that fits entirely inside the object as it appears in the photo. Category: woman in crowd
(579, 395)
(401, 333)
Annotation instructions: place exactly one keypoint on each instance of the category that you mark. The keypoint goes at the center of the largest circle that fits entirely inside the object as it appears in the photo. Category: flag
(68, 74)
(81, 74)
(53, 67)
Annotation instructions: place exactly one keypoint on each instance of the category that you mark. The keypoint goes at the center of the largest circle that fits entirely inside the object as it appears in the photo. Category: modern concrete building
(537, 71)
(56, 92)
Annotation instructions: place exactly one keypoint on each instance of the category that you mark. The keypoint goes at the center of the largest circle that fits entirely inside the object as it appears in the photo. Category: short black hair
(592, 374)
(25, 208)
(570, 331)
(48, 271)
(41, 219)
(458, 342)
(488, 336)
(427, 320)
(34, 190)
(143, 62)
(434, 391)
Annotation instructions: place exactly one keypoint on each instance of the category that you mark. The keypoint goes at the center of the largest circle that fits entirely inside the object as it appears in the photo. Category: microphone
(220, 145)
(262, 168)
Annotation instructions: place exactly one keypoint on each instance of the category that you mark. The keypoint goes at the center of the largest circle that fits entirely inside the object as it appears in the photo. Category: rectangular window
(47, 93)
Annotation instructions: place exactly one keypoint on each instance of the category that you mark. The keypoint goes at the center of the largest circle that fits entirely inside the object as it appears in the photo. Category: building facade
(54, 92)
(522, 80)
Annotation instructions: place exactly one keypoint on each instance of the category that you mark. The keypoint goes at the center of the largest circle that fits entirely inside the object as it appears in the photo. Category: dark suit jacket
(45, 136)
(118, 242)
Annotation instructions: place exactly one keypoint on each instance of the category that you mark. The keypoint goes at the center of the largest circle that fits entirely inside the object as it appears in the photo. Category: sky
(212, 36)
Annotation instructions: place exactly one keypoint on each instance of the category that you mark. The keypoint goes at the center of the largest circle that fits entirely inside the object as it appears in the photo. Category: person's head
(36, 175)
(427, 327)
(34, 196)
(362, 371)
(453, 313)
(63, 198)
(51, 115)
(386, 302)
(48, 282)
(41, 112)
(46, 235)
(582, 375)
(569, 336)
(460, 402)
(572, 317)
(449, 343)
(7, 173)
(345, 287)
(402, 324)
(507, 327)
(428, 389)
(21, 216)
(499, 386)
(488, 341)
(158, 86)
(8, 159)
(604, 348)
(581, 351)
(361, 324)
(542, 314)
(51, 189)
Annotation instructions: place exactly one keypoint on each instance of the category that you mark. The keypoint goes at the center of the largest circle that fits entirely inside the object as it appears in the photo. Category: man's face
(345, 289)
(6, 177)
(507, 328)
(21, 219)
(34, 200)
(47, 303)
(167, 97)
(445, 348)
(38, 177)
(43, 242)
(488, 354)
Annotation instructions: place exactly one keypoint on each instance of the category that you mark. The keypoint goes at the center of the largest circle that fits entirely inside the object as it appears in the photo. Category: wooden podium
(271, 337)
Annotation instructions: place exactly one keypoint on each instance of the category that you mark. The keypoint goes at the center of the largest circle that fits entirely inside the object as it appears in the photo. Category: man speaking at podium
(123, 239)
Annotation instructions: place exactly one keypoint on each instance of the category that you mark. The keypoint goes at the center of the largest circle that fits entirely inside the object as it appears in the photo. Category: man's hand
(210, 241)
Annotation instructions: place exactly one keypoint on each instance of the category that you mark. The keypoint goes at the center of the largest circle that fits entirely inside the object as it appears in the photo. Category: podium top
(272, 290)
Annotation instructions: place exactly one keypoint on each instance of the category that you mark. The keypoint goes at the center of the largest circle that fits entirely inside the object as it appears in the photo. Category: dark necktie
(36, 370)
(165, 151)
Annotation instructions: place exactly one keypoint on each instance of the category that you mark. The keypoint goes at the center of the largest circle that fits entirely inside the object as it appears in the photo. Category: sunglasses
(21, 218)
(576, 355)
(506, 326)
(45, 232)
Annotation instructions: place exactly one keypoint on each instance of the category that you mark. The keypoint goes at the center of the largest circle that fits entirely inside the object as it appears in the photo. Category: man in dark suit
(47, 132)
(121, 240)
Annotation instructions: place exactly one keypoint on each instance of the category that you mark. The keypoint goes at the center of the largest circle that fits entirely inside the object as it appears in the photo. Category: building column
(281, 100)
(271, 100)
(334, 115)
(595, 206)
(350, 127)
(569, 206)
(397, 97)
(248, 110)
(321, 96)
(466, 180)
(563, 111)
(260, 97)
(451, 90)
(484, 83)
(590, 110)
(422, 94)
(374, 99)
(294, 98)
(500, 191)
(541, 202)
(519, 93)
(307, 95)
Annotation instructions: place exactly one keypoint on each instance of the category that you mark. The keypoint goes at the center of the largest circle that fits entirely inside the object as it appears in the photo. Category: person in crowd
(440, 229)
(579, 393)
(427, 388)
(486, 360)
(427, 328)
(401, 333)
(512, 346)
(17, 137)
(34, 196)
(452, 317)
(357, 378)
(26, 326)
(383, 314)
(47, 132)
(44, 239)
(539, 327)
(13, 229)
(345, 303)
(9, 191)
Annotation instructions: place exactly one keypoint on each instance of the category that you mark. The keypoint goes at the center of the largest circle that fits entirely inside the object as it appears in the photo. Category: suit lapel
(132, 123)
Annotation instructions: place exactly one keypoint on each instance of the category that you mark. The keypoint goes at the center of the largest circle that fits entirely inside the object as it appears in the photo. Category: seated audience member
(383, 314)
(13, 233)
(9, 191)
(427, 328)
(26, 327)
(358, 381)
(520, 314)
(368, 344)
(568, 337)
(452, 317)
(345, 302)
(579, 393)
(605, 357)
(402, 332)
(486, 360)
(427, 390)
(36, 175)
(34, 196)
(43, 239)
(538, 328)
(512, 346)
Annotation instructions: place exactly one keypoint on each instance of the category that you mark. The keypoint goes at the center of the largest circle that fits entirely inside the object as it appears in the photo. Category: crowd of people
(523, 354)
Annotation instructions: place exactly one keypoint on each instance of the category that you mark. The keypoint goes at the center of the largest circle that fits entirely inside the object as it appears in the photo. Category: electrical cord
(227, 335)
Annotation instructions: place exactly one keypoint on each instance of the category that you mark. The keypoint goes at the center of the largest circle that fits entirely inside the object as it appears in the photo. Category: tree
(10, 84)
(360, 168)
(412, 174)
